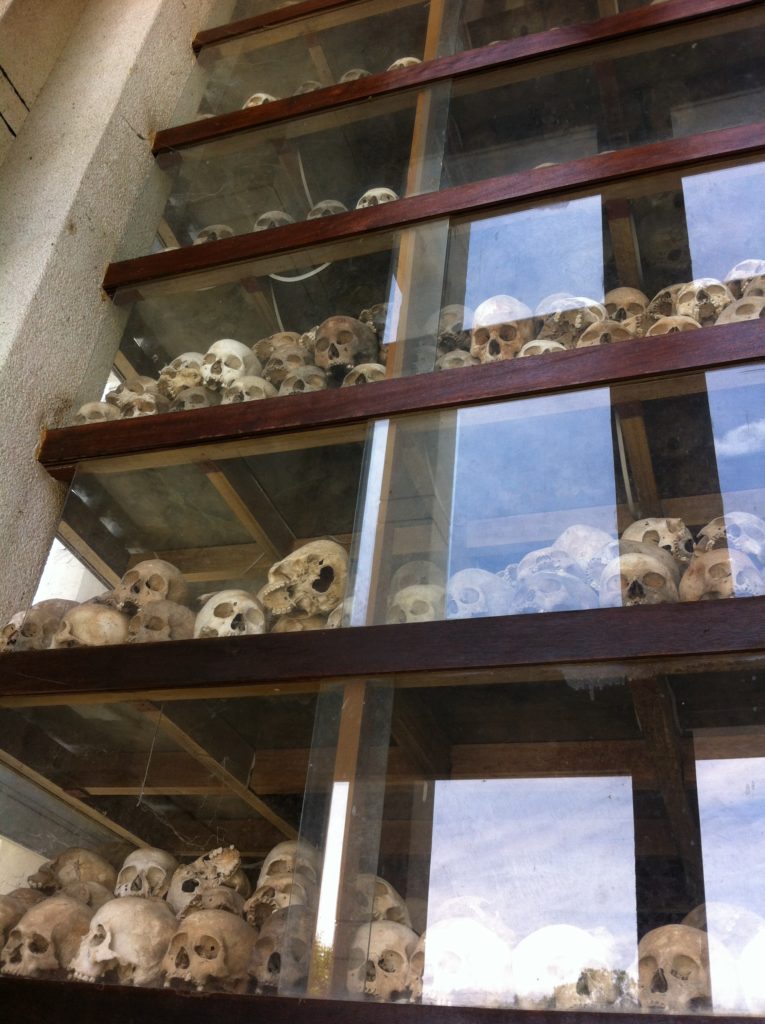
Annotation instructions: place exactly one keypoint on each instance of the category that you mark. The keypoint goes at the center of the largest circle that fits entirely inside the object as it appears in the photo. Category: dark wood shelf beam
(505, 53)
(147, 438)
(24, 1001)
(462, 200)
(278, 662)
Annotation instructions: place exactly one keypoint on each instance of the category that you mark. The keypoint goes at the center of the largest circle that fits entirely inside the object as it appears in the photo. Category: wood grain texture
(474, 197)
(585, 637)
(507, 52)
(26, 1001)
(61, 450)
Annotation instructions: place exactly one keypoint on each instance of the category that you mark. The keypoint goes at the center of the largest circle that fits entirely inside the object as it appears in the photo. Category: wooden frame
(512, 51)
(273, 662)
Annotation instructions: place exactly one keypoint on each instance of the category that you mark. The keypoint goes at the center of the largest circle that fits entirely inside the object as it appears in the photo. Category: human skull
(92, 894)
(365, 373)
(272, 219)
(293, 857)
(9, 634)
(378, 964)
(311, 579)
(473, 593)
(303, 379)
(91, 625)
(756, 287)
(549, 559)
(146, 872)
(247, 389)
(144, 405)
(125, 394)
(278, 893)
(326, 208)
(673, 966)
(639, 577)
(418, 603)
(185, 371)
(210, 951)
(552, 592)
(161, 620)
(213, 233)
(501, 327)
(353, 75)
(589, 548)
(218, 898)
(742, 274)
(282, 340)
(282, 955)
(376, 197)
(672, 325)
(461, 962)
(552, 956)
(604, 332)
(374, 899)
(721, 573)
(564, 318)
(670, 534)
(147, 582)
(418, 571)
(226, 361)
(451, 328)
(310, 85)
(40, 623)
(540, 348)
(597, 989)
(194, 398)
(221, 867)
(259, 99)
(283, 362)
(343, 342)
(703, 300)
(230, 613)
(404, 62)
(664, 302)
(74, 864)
(740, 530)
(295, 622)
(127, 939)
(457, 359)
(96, 412)
(46, 938)
(624, 303)
(751, 307)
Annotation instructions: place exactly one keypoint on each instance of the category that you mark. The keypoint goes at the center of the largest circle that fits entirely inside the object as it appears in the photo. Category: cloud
(745, 440)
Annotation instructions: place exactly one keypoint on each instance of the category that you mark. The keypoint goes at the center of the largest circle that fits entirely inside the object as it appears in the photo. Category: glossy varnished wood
(586, 637)
(270, 19)
(727, 345)
(507, 52)
(475, 197)
(29, 1002)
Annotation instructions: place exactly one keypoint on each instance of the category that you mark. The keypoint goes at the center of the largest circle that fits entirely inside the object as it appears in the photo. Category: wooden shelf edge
(507, 52)
(62, 450)
(462, 200)
(25, 1000)
(607, 635)
(280, 16)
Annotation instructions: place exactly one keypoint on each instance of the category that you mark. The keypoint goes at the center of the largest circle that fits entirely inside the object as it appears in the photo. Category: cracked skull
(281, 958)
(146, 872)
(148, 582)
(673, 966)
(378, 964)
(311, 579)
(230, 613)
(721, 573)
(501, 327)
(210, 951)
(46, 938)
(343, 342)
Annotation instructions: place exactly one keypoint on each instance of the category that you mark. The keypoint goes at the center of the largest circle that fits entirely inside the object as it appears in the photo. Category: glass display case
(509, 755)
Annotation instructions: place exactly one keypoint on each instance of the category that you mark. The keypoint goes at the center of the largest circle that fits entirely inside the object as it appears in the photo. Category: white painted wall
(68, 187)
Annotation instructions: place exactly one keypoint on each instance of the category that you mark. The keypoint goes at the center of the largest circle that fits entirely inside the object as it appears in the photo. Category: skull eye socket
(322, 344)
(155, 624)
(508, 332)
(233, 362)
(190, 885)
(345, 337)
(207, 948)
(223, 610)
(719, 570)
(420, 607)
(208, 360)
(470, 595)
(38, 944)
(653, 580)
(357, 958)
(155, 583)
(298, 949)
(98, 936)
(481, 337)
(324, 580)
(682, 967)
(390, 961)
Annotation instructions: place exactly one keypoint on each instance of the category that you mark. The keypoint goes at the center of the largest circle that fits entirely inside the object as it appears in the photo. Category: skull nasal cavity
(494, 347)
(324, 580)
(182, 960)
(659, 982)
(635, 589)
(274, 963)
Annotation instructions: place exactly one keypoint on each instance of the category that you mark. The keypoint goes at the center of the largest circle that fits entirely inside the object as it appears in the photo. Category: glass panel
(385, 286)
(686, 80)
(637, 494)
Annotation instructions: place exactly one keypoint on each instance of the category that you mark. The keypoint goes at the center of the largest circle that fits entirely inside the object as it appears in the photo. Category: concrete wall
(68, 187)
